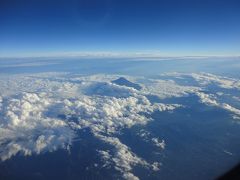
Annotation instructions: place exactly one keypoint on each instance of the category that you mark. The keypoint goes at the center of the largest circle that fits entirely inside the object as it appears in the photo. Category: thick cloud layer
(40, 113)
(26, 129)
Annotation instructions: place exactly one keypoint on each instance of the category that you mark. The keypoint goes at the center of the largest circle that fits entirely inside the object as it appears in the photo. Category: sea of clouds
(43, 112)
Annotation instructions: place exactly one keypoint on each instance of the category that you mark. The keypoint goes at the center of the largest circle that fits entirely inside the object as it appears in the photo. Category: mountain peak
(124, 82)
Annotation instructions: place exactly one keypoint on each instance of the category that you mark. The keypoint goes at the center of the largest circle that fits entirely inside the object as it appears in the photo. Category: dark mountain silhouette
(124, 82)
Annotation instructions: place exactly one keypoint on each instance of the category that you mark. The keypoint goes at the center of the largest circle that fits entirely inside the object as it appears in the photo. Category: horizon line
(109, 54)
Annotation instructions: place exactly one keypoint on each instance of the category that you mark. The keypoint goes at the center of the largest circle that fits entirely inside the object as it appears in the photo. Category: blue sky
(168, 27)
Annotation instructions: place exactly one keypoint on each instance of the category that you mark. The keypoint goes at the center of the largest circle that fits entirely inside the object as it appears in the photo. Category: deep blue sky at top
(171, 27)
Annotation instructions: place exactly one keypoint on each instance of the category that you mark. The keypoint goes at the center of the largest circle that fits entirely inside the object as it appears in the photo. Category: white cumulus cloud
(42, 112)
